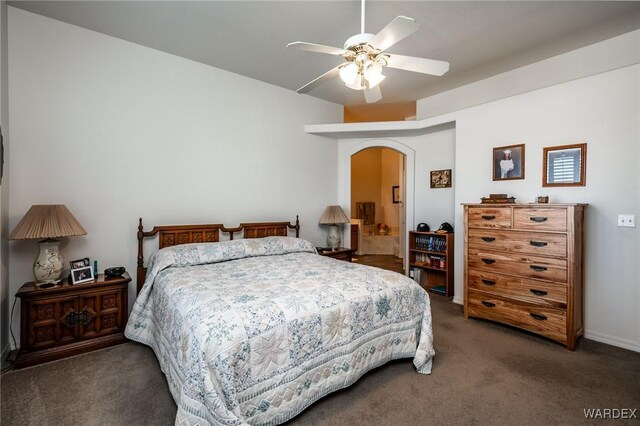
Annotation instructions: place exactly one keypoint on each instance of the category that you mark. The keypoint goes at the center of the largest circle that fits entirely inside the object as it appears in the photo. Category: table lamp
(332, 216)
(48, 222)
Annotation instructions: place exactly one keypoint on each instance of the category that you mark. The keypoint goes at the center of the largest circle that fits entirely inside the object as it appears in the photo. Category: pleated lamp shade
(47, 221)
(333, 215)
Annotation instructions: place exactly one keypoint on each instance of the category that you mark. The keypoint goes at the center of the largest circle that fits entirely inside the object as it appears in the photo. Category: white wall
(117, 131)
(5, 293)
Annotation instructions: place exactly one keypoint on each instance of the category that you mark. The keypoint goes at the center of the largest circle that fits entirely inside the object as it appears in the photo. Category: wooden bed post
(297, 227)
(141, 271)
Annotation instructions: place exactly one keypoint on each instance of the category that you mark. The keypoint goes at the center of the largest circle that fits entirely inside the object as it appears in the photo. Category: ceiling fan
(365, 55)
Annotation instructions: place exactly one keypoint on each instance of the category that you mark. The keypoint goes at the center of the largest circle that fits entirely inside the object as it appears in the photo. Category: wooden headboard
(172, 235)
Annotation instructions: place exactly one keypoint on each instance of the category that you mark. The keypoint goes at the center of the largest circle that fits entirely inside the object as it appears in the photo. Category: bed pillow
(203, 253)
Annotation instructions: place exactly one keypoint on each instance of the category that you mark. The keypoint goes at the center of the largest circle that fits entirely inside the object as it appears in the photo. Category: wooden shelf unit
(426, 250)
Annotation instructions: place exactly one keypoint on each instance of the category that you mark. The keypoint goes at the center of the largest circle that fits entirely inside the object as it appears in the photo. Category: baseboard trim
(613, 341)
(458, 300)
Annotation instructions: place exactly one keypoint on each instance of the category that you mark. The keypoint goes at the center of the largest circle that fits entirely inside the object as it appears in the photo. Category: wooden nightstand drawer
(71, 319)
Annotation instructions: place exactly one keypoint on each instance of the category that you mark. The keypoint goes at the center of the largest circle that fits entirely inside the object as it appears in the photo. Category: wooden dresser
(524, 267)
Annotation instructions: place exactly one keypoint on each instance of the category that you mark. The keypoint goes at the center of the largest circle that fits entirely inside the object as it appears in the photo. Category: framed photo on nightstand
(82, 275)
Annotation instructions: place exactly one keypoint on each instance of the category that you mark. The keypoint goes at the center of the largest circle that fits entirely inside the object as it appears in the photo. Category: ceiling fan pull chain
(362, 19)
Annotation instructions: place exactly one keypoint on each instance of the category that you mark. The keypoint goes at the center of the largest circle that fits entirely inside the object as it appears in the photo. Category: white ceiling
(478, 38)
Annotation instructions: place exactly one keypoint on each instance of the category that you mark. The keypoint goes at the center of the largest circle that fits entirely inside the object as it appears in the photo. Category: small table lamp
(48, 222)
(332, 216)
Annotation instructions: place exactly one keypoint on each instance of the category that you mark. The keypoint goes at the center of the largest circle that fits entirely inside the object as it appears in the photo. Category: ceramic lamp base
(333, 238)
(48, 265)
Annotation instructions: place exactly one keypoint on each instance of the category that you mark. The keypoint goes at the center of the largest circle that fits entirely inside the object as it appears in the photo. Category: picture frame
(508, 162)
(80, 263)
(82, 275)
(395, 194)
(564, 165)
(441, 178)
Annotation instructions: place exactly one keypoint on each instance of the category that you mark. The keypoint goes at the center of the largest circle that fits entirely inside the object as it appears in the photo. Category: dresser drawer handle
(538, 268)
(488, 239)
(539, 317)
(538, 243)
(538, 292)
(488, 261)
(538, 218)
(488, 282)
(488, 217)
(488, 304)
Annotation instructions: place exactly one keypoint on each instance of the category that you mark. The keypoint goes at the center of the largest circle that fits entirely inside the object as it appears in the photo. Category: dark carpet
(483, 373)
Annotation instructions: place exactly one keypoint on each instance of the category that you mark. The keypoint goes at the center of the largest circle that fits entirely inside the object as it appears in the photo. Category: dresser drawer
(543, 268)
(490, 217)
(543, 219)
(550, 322)
(536, 243)
(526, 290)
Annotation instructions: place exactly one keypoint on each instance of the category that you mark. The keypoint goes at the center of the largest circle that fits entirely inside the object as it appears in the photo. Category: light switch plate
(627, 220)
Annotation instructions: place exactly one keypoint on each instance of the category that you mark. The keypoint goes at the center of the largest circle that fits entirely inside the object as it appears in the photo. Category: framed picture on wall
(395, 194)
(441, 178)
(564, 165)
(508, 162)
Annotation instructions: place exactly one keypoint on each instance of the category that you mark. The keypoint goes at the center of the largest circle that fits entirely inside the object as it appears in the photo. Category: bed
(254, 330)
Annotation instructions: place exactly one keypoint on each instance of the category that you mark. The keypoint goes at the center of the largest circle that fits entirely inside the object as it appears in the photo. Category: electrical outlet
(627, 220)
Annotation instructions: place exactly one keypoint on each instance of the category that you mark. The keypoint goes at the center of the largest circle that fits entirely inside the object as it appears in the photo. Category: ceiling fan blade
(395, 31)
(318, 81)
(372, 95)
(318, 48)
(421, 65)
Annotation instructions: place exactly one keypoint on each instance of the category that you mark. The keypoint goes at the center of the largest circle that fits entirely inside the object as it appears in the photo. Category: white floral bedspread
(253, 331)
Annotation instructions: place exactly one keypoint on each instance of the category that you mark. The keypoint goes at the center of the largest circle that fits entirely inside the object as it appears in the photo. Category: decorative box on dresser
(70, 319)
(524, 267)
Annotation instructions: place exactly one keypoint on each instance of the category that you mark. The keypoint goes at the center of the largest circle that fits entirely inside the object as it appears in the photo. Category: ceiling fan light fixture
(349, 73)
(358, 84)
(373, 73)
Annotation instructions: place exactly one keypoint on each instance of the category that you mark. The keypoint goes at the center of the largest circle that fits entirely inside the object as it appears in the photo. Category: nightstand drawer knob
(488, 239)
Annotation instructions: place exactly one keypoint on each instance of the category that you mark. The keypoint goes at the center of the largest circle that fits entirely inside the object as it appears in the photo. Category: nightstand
(342, 253)
(71, 319)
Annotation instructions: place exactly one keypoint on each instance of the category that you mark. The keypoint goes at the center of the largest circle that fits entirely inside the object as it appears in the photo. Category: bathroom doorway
(378, 182)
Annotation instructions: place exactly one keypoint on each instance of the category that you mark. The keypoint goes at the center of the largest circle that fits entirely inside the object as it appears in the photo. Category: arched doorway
(406, 192)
